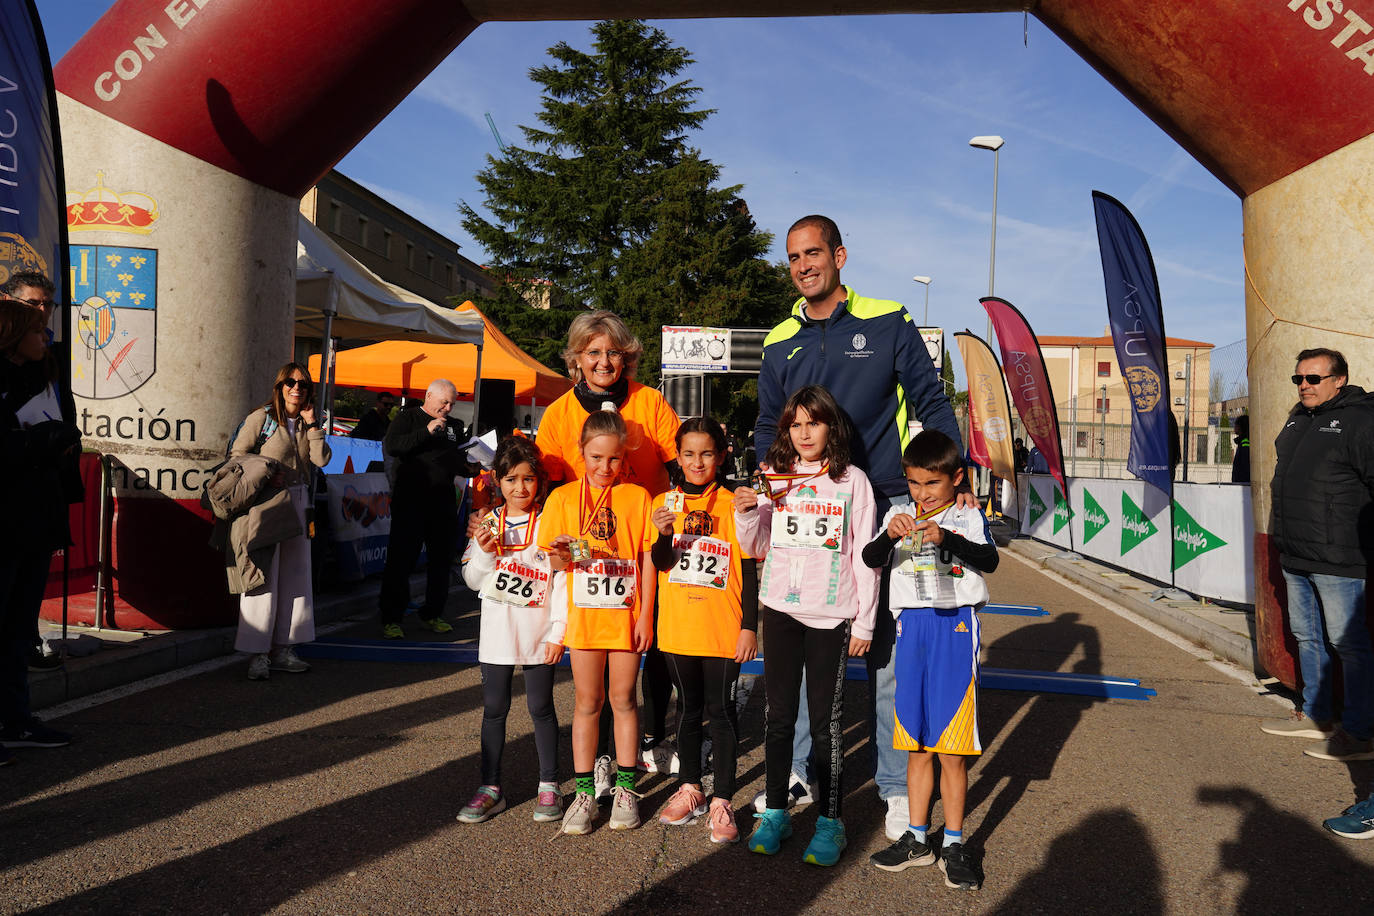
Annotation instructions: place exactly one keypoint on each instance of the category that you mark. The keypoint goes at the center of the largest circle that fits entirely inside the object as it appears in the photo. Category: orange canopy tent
(406, 366)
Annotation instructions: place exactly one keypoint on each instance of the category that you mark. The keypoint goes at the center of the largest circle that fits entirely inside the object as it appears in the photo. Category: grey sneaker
(578, 819)
(1297, 725)
(548, 805)
(624, 809)
(603, 775)
(259, 669)
(286, 659)
(1341, 746)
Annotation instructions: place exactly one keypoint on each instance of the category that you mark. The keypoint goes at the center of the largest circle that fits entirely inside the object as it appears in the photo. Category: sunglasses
(36, 303)
(293, 382)
(1310, 379)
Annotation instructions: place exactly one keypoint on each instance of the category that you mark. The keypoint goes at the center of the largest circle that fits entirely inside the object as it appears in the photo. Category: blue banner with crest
(33, 224)
(1136, 317)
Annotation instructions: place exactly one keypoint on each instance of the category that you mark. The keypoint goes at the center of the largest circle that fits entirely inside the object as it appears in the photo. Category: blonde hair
(603, 423)
(591, 324)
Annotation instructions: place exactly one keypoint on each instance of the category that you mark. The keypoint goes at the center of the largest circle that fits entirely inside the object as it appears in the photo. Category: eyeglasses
(1310, 379)
(293, 382)
(36, 303)
(615, 356)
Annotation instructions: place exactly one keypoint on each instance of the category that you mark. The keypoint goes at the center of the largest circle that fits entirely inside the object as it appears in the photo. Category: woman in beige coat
(280, 615)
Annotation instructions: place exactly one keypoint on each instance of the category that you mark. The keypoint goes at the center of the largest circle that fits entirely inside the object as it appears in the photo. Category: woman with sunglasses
(280, 614)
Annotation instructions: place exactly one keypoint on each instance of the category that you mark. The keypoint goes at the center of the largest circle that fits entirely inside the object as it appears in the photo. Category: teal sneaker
(773, 826)
(828, 843)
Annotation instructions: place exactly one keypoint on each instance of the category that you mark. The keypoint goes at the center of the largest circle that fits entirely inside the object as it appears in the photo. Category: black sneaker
(41, 662)
(958, 867)
(903, 854)
(33, 733)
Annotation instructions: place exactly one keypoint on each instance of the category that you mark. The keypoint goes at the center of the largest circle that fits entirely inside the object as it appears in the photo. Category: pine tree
(608, 206)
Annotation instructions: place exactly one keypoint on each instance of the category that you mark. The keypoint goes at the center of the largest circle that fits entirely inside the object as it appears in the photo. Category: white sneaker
(799, 794)
(603, 775)
(259, 668)
(898, 818)
(659, 759)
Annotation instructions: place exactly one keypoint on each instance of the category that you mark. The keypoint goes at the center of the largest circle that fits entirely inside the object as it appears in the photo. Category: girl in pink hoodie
(815, 514)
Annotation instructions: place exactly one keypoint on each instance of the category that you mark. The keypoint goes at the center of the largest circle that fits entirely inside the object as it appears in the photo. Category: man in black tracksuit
(427, 446)
(1323, 523)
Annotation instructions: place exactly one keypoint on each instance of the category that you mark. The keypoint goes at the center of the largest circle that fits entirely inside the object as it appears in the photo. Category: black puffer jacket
(1323, 489)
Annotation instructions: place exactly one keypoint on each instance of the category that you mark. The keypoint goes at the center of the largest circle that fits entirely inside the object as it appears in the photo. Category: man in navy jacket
(871, 357)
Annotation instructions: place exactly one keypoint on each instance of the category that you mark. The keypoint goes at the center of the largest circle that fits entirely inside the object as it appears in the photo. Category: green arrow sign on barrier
(1062, 512)
(1094, 518)
(1037, 506)
(1135, 525)
(1191, 540)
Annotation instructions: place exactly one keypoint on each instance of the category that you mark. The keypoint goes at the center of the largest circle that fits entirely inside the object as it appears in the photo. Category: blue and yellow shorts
(936, 669)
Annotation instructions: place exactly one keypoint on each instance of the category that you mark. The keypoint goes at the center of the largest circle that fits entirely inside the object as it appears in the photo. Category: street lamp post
(925, 322)
(995, 144)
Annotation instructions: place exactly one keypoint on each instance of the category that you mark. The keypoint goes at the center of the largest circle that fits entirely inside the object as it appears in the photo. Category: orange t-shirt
(696, 615)
(619, 529)
(650, 421)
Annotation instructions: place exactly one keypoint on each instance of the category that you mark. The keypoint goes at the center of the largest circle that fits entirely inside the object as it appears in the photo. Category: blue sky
(866, 119)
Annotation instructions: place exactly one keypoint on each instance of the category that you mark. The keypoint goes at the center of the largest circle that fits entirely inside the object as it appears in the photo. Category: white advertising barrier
(1127, 523)
(1214, 541)
(1122, 522)
(1046, 515)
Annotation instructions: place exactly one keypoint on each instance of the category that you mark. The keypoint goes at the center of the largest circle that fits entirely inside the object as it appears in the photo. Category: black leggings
(706, 684)
(792, 647)
(496, 689)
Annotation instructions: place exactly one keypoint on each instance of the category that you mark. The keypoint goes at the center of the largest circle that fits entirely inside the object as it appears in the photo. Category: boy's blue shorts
(936, 668)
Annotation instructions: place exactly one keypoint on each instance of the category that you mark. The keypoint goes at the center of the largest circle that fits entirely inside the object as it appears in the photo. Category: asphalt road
(335, 792)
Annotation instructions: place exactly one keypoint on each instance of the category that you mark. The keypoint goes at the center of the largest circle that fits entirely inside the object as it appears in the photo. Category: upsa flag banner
(989, 413)
(1029, 382)
(1137, 321)
(33, 225)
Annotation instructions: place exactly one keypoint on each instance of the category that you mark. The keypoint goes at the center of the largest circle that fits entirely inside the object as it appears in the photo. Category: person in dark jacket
(427, 445)
(34, 441)
(870, 356)
(1240, 462)
(1323, 521)
(375, 423)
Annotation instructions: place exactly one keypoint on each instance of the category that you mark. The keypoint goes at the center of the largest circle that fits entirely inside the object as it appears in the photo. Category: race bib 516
(605, 583)
(809, 524)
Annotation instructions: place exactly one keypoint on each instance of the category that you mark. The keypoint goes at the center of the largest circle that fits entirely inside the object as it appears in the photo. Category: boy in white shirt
(938, 551)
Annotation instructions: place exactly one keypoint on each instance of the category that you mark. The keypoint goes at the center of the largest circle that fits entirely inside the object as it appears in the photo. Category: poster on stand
(360, 523)
(1214, 541)
(1124, 523)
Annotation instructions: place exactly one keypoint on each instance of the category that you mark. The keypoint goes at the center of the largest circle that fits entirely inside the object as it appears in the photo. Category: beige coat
(308, 448)
(253, 518)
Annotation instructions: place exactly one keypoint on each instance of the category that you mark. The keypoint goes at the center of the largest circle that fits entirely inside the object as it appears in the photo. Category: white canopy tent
(338, 297)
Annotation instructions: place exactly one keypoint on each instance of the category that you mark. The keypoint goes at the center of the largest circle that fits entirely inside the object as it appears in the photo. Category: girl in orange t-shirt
(707, 619)
(598, 530)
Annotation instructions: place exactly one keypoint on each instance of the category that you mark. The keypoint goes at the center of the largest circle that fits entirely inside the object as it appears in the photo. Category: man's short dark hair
(1337, 358)
(932, 450)
(24, 278)
(830, 233)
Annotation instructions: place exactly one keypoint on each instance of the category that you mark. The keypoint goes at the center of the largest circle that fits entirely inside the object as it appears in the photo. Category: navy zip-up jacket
(871, 357)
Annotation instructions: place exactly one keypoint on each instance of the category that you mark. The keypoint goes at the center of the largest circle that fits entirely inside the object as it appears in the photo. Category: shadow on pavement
(53, 823)
(1107, 857)
(1288, 863)
(1029, 752)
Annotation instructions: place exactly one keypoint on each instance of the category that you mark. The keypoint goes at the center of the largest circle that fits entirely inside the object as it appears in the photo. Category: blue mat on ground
(465, 653)
(1015, 610)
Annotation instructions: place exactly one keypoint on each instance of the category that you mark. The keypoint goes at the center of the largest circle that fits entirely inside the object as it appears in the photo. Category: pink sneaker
(723, 829)
(686, 804)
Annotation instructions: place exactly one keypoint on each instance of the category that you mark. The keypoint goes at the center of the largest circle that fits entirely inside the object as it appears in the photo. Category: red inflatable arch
(251, 102)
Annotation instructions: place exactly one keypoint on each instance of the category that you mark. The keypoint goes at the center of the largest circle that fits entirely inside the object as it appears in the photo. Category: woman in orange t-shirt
(597, 530)
(601, 356)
